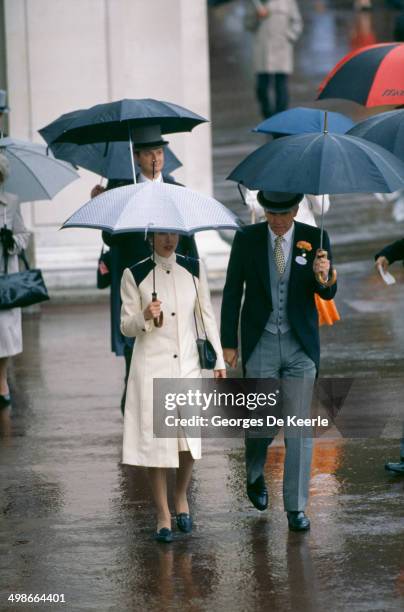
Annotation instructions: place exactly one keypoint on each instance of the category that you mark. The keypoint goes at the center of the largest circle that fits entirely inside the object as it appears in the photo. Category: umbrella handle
(319, 278)
(158, 321)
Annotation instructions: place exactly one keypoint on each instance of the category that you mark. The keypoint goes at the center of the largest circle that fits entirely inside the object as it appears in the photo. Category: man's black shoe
(258, 493)
(298, 521)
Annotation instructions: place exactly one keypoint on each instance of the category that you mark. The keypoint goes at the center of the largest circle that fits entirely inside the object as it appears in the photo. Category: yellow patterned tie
(279, 255)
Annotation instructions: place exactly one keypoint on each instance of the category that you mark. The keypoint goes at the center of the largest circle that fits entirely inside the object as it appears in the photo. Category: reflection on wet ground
(74, 521)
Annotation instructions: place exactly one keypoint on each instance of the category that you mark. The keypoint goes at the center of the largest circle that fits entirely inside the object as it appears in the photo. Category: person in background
(14, 238)
(277, 26)
(388, 255)
(128, 248)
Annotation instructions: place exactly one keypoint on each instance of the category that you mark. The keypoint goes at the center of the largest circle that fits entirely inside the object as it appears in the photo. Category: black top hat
(279, 202)
(147, 137)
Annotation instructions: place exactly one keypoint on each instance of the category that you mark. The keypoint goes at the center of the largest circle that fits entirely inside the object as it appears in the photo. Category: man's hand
(219, 373)
(230, 356)
(321, 264)
(382, 262)
(96, 191)
(152, 311)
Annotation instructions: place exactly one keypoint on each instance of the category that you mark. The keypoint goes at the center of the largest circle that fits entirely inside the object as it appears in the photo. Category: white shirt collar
(144, 179)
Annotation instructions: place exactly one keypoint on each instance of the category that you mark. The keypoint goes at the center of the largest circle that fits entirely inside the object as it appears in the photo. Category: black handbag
(104, 270)
(21, 289)
(206, 352)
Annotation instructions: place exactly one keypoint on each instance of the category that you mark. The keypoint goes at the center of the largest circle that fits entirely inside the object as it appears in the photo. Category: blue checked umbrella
(153, 207)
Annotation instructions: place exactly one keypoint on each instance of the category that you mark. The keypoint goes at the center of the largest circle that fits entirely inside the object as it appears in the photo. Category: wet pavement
(73, 521)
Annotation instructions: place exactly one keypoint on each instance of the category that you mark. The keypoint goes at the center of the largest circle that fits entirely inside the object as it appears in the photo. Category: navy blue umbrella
(113, 121)
(301, 120)
(320, 164)
(386, 130)
(109, 159)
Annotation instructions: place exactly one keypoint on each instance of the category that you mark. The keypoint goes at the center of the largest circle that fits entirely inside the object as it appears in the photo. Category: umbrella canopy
(320, 164)
(112, 121)
(386, 130)
(34, 175)
(111, 160)
(371, 76)
(155, 207)
(301, 120)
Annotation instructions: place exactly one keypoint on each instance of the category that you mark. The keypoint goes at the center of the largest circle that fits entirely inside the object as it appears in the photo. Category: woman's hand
(219, 373)
(153, 310)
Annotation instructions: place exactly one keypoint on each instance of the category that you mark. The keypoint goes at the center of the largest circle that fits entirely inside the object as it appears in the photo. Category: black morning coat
(127, 249)
(248, 271)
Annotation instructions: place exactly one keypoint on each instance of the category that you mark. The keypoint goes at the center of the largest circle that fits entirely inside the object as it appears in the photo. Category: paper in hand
(386, 276)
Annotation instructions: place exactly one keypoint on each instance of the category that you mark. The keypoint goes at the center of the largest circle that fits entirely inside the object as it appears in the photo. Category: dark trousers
(127, 353)
(276, 101)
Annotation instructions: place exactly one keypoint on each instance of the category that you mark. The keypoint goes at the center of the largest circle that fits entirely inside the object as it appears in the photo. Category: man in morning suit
(279, 332)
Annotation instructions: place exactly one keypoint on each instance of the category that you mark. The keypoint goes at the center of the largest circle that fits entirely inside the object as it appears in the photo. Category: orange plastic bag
(327, 311)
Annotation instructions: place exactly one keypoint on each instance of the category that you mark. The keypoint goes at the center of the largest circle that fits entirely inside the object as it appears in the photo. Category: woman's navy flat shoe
(164, 535)
(5, 400)
(184, 522)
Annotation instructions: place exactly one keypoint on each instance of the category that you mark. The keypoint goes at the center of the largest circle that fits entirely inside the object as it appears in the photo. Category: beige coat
(166, 352)
(10, 320)
(275, 36)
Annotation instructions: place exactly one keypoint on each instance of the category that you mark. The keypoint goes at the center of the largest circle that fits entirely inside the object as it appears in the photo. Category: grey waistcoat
(278, 321)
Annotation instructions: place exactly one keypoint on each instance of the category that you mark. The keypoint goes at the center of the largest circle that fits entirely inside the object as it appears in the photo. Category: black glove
(6, 238)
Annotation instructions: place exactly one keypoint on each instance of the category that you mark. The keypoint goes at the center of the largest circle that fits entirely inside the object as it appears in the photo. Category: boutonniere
(305, 248)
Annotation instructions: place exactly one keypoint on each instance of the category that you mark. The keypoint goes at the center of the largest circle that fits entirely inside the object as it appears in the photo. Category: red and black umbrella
(371, 76)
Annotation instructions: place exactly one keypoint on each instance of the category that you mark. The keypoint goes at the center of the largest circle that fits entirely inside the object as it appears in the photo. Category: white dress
(166, 352)
(10, 320)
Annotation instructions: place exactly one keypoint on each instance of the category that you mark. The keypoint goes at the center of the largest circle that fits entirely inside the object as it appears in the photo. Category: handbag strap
(200, 310)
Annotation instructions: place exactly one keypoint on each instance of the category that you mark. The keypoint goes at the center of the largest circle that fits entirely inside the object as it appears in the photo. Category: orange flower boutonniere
(305, 248)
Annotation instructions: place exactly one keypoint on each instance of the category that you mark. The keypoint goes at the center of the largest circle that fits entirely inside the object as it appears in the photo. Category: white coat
(10, 320)
(275, 36)
(166, 352)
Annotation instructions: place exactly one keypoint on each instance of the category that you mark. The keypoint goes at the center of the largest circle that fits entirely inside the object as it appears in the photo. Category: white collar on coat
(165, 262)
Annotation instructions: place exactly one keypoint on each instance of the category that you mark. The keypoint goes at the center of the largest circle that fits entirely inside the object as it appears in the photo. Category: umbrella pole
(158, 322)
(132, 159)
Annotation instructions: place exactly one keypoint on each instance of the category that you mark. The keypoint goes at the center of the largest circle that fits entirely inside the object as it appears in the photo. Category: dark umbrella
(386, 130)
(301, 120)
(320, 164)
(108, 159)
(371, 76)
(113, 121)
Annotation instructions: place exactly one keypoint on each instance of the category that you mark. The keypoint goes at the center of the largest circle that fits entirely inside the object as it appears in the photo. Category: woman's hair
(4, 168)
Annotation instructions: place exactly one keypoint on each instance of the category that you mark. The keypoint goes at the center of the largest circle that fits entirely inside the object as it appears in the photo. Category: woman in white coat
(13, 239)
(168, 351)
